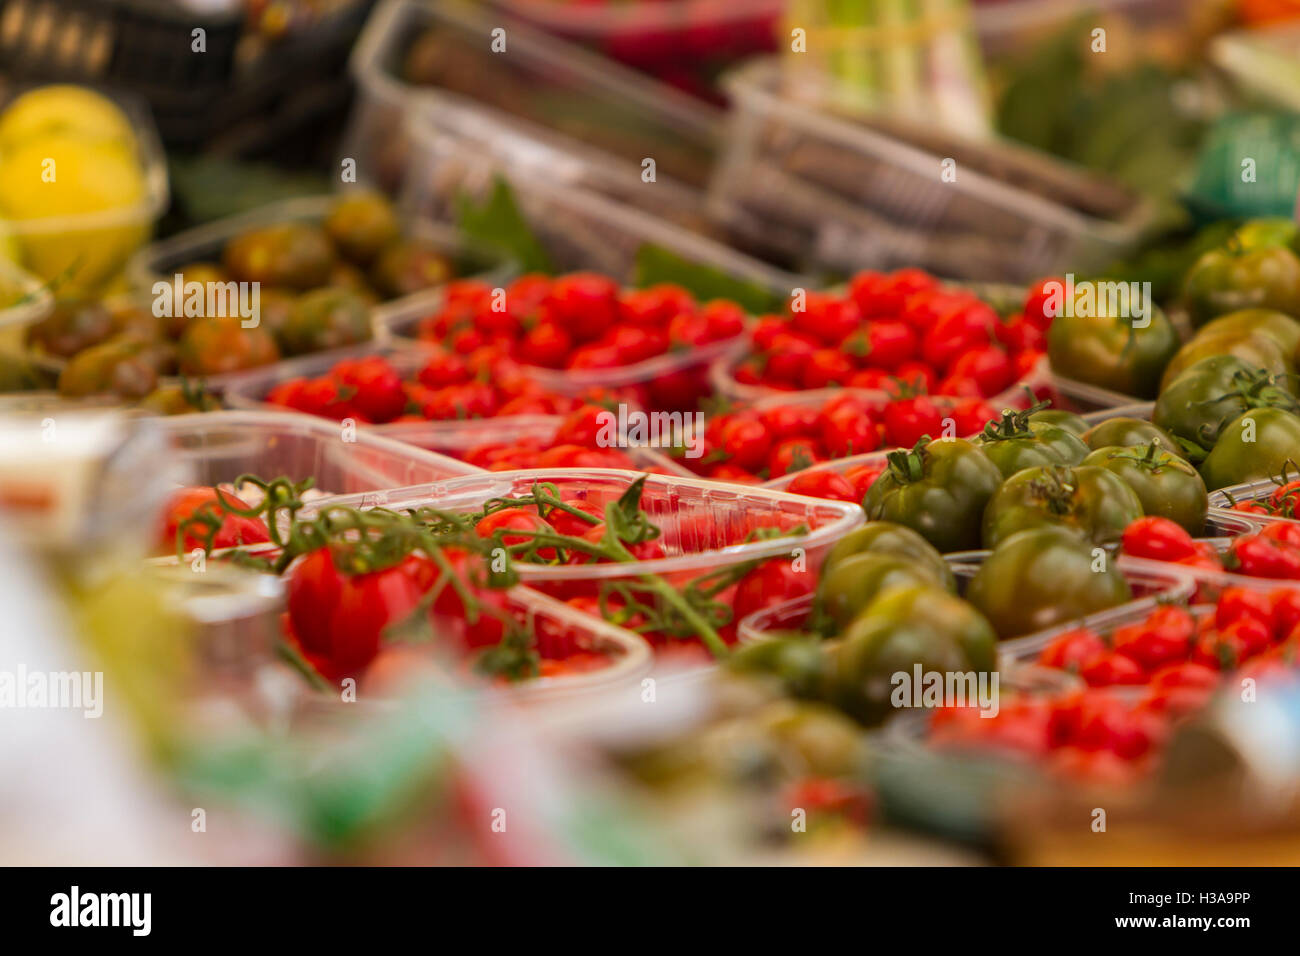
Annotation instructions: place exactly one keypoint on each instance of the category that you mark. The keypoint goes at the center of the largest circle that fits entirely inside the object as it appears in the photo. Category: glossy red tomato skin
(235, 529)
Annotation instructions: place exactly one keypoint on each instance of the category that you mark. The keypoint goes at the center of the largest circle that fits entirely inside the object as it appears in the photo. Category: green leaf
(498, 222)
(654, 264)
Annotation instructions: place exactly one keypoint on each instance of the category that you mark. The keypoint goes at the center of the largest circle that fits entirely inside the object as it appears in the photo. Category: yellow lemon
(58, 176)
(62, 109)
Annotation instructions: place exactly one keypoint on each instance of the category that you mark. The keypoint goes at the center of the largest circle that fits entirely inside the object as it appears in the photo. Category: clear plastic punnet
(28, 298)
(712, 536)
(1082, 397)
(591, 233)
(217, 447)
(603, 229)
(85, 250)
(703, 523)
(848, 195)
(453, 438)
(158, 261)
(1151, 583)
(419, 58)
(1222, 501)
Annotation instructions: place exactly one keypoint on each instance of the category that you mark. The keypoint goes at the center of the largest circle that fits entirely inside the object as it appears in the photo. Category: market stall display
(893, 460)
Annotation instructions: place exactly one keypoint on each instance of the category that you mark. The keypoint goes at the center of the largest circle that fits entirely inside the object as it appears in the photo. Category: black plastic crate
(145, 47)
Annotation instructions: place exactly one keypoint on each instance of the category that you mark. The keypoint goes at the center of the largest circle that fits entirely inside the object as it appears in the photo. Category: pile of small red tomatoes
(583, 322)
(1272, 553)
(1094, 734)
(448, 387)
(575, 443)
(1142, 679)
(903, 326)
(774, 439)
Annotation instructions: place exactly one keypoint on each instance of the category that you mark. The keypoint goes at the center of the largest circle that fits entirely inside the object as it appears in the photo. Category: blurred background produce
(940, 337)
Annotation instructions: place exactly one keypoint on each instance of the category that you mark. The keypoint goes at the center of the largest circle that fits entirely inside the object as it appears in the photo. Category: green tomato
(1072, 423)
(1088, 500)
(1233, 278)
(1253, 348)
(884, 537)
(1278, 326)
(1253, 446)
(1126, 431)
(804, 666)
(1042, 577)
(902, 628)
(1167, 485)
(1110, 352)
(1017, 442)
(938, 489)
(1197, 404)
(1264, 233)
(854, 582)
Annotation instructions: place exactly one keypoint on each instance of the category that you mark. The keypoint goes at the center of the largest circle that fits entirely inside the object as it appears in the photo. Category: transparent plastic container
(217, 447)
(723, 378)
(1025, 650)
(1151, 585)
(1209, 583)
(630, 658)
(1082, 397)
(1004, 25)
(1003, 298)
(232, 612)
(581, 223)
(539, 80)
(32, 298)
(878, 459)
(657, 381)
(703, 524)
(98, 243)
(204, 243)
(627, 658)
(452, 438)
(1221, 502)
(847, 195)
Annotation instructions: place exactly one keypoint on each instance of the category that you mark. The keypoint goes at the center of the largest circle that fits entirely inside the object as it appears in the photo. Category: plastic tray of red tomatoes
(493, 415)
(1146, 670)
(578, 654)
(901, 331)
(217, 447)
(797, 441)
(1246, 553)
(748, 546)
(581, 332)
(1263, 501)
